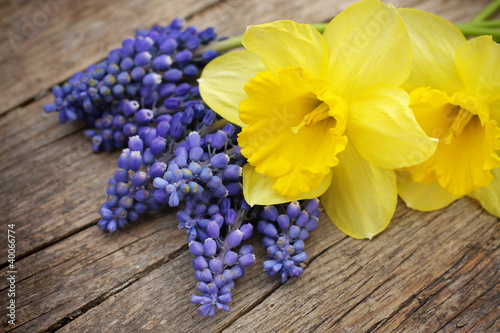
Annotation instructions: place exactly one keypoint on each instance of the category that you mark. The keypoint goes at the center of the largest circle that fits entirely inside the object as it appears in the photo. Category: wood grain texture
(90, 267)
(427, 272)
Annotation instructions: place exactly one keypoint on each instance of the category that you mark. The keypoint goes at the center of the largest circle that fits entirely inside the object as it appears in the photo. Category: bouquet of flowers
(340, 117)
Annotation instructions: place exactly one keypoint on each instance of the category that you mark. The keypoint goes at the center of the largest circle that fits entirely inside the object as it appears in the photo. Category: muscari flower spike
(284, 236)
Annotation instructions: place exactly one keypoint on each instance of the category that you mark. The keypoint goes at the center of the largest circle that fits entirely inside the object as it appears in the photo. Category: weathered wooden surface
(427, 272)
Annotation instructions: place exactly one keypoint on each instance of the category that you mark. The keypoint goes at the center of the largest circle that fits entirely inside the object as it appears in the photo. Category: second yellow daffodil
(455, 93)
(323, 115)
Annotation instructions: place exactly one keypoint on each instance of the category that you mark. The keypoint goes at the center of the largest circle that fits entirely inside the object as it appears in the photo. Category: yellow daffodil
(323, 115)
(455, 94)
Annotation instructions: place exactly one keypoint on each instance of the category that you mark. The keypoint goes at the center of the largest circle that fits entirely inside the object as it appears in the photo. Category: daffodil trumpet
(324, 115)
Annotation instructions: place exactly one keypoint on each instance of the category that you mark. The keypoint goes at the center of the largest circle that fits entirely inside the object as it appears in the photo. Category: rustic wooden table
(427, 272)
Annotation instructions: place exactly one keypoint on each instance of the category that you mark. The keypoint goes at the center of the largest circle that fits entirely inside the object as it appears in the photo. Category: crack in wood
(27, 322)
(471, 303)
(38, 96)
(75, 131)
(118, 250)
(64, 237)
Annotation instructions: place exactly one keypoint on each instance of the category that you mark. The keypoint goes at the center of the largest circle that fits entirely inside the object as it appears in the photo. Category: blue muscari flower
(196, 175)
(151, 80)
(169, 46)
(126, 64)
(285, 235)
(209, 55)
(162, 62)
(172, 75)
(190, 70)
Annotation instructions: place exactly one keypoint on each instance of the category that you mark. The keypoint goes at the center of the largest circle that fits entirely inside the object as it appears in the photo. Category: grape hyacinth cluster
(180, 154)
(206, 173)
(284, 236)
(130, 191)
(154, 68)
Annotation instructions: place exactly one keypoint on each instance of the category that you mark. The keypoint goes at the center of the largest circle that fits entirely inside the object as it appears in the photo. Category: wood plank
(84, 269)
(54, 191)
(28, 129)
(43, 46)
(37, 53)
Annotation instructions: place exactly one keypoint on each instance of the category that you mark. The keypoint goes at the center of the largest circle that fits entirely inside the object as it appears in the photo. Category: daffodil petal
(434, 43)
(423, 197)
(222, 81)
(296, 161)
(384, 131)
(489, 196)
(258, 189)
(368, 46)
(478, 65)
(288, 44)
(362, 197)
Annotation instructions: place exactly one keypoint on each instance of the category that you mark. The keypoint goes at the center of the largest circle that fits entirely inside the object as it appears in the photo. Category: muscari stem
(487, 11)
(217, 125)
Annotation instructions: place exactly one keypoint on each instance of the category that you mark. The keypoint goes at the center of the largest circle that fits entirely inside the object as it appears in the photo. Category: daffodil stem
(320, 26)
(475, 30)
(484, 24)
(487, 12)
